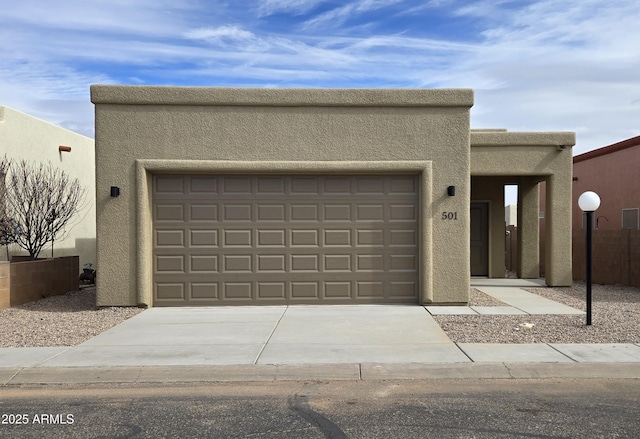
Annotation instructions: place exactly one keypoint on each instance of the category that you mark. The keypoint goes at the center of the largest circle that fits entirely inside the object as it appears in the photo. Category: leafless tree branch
(41, 200)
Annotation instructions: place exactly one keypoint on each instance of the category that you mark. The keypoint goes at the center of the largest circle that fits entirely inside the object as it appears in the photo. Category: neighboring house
(26, 137)
(613, 172)
(223, 196)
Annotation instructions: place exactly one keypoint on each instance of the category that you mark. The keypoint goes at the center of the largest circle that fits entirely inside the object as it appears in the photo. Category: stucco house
(232, 196)
(26, 137)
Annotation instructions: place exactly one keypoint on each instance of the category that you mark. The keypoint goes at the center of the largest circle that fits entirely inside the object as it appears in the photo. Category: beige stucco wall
(525, 159)
(521, 153)
(29, 138)
(142, 130)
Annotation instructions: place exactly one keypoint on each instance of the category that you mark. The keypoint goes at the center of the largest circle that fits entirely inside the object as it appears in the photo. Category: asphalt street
(567, 408)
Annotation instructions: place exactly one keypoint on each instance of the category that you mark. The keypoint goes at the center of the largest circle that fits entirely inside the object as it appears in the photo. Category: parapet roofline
(561, 139)
(285, 97)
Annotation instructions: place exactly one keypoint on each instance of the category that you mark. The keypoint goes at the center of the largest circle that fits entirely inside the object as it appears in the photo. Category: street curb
(315, 372)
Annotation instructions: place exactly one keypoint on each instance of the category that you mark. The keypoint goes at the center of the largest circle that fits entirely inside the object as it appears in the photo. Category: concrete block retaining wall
(22, 282)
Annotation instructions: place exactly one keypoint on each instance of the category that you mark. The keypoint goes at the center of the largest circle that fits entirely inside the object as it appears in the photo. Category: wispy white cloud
(333, 18)
(230, 36)
(338, 16)
(221, 33)
(542, 65)
(269, 7)
(140, 17)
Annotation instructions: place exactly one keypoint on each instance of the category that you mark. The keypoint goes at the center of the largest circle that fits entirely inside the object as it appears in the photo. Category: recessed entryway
(479, 239)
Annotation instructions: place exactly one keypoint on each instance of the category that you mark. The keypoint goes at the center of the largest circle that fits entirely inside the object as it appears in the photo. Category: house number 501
(449, 215)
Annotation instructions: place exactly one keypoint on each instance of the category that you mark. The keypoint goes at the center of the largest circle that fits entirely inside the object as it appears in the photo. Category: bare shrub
(40, 201)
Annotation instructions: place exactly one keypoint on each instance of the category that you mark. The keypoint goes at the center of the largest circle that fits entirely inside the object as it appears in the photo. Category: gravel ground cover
(70, 319)
(65, 320)
(478, 298)
(615, 319)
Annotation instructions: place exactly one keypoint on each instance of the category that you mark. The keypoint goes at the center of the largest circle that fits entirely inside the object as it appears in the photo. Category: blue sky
(548, 65)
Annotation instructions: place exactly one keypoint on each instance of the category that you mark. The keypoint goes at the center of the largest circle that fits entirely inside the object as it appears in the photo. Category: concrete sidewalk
(310, 342)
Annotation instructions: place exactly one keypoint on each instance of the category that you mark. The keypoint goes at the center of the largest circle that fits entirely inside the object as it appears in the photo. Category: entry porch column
(558, 265)
(528, 229)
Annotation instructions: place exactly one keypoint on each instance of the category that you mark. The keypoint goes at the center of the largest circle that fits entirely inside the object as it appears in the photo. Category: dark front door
(479, 239)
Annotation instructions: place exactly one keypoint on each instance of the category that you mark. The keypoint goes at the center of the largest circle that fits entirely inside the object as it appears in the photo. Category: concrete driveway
(268, 335)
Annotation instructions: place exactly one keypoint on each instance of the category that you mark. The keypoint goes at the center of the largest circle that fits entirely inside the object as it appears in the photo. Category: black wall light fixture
(115, 191)
(451, 191)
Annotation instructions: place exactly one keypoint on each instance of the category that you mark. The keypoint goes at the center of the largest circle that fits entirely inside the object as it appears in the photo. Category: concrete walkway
(509, 291)
(311, 342)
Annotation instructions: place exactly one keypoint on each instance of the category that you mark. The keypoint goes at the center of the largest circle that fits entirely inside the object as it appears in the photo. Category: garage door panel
(270, 185)
(304, 185)
(271, 238)
(202, 184)
(169, 238)
(237, 212)
(338, 263)
(237, 291)
(370, 185)
(304, 212)
(204, 291)
(403, 212)
(337, 238)
(237, 264)
(370, 263)
(370, 212)
(370, 237)
(272, 290)
(170, 263)
(224, 240)
(203, 238)
(304, 237)
(203, 264)
(368, 289)
(403, 238)
(272, 263)
(271, 212)
(304, 263)
(169, 184)
(238, 238)
(337, 212)
(236, 185)
(403, 185)
(404, 263)
(169, 212)
(337, 185)
(305, 290)
(170, 291)
(338, 290)
(203, 212)
(404, 290)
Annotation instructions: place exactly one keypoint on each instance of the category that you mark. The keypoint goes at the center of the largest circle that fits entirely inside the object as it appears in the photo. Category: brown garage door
(275, 239)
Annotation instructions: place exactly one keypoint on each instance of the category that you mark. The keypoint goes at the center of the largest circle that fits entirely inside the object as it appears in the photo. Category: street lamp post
(589, 203)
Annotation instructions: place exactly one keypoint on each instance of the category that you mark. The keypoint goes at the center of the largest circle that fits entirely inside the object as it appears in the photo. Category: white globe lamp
(589, 201)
